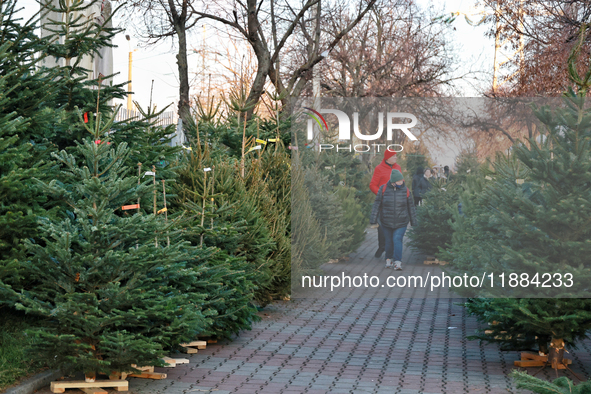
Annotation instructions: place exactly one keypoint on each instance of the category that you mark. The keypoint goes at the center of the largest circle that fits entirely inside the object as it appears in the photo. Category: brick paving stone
(354, 344)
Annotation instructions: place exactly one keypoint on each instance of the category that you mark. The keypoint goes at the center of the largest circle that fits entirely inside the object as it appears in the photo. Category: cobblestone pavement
(353, 345)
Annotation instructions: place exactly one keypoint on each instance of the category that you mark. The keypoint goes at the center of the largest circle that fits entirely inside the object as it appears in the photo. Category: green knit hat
(396, 176)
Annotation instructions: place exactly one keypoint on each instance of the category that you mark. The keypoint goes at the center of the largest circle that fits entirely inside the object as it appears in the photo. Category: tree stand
(554, 358)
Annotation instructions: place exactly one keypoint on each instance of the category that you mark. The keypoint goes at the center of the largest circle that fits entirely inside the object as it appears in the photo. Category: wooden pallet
(198, 344)
(433, 260)
(535, 360)
(148, 375)
(94, 391)
(191, 347)
(188, 350)
(147, 372)
(94, 387)
(173, 362)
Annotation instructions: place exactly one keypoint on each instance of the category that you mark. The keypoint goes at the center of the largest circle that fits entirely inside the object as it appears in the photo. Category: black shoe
(379, 253)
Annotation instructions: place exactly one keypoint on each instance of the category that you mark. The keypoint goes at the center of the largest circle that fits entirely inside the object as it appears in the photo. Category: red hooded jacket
(381, 174)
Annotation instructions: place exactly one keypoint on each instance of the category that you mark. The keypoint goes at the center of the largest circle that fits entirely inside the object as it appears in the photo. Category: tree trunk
(256, 90)
(181, 57)
(556, 353)
(263, 57)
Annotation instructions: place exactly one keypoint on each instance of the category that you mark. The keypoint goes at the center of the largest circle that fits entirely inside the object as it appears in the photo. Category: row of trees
(526, 214)
(120, 244)
(123, 246)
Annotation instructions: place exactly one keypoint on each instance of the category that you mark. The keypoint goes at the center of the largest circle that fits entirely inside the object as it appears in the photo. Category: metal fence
(164, 119)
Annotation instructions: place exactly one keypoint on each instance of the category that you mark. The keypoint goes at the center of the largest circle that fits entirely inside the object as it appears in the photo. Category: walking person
(381, 176)
(447, 174)
(416, 180)
(421, 185)
(393, 209)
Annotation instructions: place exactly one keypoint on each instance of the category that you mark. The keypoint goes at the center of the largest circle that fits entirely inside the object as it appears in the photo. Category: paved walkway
(354, 344)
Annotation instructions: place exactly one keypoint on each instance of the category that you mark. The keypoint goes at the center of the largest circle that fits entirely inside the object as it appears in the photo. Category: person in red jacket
(381, 176)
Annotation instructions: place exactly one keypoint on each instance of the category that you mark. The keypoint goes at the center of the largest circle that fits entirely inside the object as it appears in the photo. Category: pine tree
(73, 37)
(35, 96)
(70, 40)
(32, 91)
(14, 221)
(433, 232)
(109, 289)
(255, 208)
(561, 385)
(22, 149)
(533, 218)
(216, 223)
(309, 249)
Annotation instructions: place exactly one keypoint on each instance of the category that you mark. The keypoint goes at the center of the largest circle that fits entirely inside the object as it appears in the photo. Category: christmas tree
(559, 386)
(532, 220)
(75, 37)
(229, 279)
(309, 248)
(112, 285)
(249, 216)
(23, 94)
(15, 222)
(433, 231)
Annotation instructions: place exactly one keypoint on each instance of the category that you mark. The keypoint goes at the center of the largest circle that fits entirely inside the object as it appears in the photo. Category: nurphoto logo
(392, 120)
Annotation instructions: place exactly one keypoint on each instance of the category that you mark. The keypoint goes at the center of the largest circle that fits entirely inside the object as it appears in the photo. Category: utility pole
(316, 71)
(129, 103)
(506, 65)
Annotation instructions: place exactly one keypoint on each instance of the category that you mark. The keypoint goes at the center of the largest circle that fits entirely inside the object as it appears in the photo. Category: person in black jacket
(416, 180)
(393, 209)
(421, 185)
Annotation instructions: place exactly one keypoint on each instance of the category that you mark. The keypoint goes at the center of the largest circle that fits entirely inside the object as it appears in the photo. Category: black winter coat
(393, 208)
(421, 187)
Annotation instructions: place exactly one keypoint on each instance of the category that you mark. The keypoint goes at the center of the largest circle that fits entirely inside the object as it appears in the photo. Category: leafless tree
(543, 34)
(271, 27)
(157, 20)
(395, 51)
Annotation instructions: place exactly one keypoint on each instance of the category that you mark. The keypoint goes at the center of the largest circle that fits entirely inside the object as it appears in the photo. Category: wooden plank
(59, 387)
(56, 389)
(212, 341)
(528, 363)
(94, 391)
(147, 368)
(532, 356)
(188, 350)
(434, 262)
(534, 363)
(118, 375)
(537, 357)
(172, 362)
(197, 344)
(149, 375)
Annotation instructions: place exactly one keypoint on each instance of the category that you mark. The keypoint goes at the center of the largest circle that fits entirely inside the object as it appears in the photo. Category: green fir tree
(532, 218)
(113, 287)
